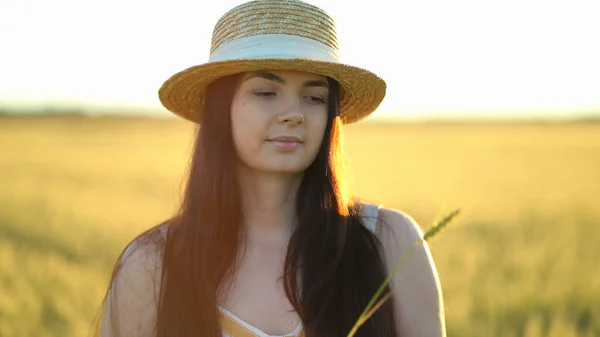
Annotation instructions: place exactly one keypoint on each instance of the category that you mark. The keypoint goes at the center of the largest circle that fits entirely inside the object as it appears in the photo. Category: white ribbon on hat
(274, 46)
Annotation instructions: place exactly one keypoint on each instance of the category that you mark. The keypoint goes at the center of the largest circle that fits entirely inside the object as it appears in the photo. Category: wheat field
(522, 259)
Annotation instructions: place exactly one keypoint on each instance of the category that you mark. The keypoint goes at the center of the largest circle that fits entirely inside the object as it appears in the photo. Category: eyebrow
(276, 78)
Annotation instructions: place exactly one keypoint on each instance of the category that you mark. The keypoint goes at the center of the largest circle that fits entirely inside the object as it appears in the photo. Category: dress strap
(235, 328)
(370, 213)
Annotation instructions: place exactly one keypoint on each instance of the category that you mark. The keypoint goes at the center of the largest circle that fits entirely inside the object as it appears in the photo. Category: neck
(268, 204)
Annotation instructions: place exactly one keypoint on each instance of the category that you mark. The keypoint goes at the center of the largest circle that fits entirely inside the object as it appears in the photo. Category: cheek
(317, 129)
(246, 131)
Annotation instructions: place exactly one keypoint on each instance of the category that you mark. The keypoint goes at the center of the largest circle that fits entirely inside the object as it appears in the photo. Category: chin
(286, 170)
(288, 167)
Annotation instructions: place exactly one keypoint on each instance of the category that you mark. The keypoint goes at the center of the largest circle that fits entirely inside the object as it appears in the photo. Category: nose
(291, 119)
(292, 116)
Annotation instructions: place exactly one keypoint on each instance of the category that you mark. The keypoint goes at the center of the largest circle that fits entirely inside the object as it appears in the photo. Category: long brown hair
(340, 262)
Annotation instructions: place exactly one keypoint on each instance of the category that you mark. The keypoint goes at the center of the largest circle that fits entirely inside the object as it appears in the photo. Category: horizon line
(157, 114)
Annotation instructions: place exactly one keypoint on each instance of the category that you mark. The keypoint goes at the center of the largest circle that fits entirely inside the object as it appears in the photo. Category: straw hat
(274, 35)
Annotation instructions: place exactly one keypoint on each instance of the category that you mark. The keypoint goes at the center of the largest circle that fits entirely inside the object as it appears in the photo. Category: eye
(264, 94)
(315, 99)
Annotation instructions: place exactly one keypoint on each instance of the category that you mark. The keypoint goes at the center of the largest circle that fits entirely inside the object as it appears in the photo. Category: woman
(268, 241)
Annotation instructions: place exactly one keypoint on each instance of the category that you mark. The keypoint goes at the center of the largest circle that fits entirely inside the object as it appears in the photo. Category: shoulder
(398, 233)
(417, 290)
(143, 255)
(396, 226)
(399, 226)
(131, 303)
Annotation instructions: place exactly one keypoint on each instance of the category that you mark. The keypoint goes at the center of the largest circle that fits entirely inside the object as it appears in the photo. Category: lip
(286, 139)
(285, 143)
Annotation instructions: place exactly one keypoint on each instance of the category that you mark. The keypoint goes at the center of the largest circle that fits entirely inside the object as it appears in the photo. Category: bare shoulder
(141, 261)
(131, 305)
(399, 228)
(417, 290)
(398, 233)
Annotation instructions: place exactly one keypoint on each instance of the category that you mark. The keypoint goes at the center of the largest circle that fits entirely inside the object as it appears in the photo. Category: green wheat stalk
(372, 307)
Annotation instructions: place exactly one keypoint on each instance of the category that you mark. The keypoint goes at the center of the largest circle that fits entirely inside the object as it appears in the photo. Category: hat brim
(183, 93)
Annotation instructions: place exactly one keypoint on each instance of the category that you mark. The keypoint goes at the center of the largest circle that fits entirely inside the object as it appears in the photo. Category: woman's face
(279, 119)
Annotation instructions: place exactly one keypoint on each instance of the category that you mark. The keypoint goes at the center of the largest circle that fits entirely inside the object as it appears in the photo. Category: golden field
(522, 259)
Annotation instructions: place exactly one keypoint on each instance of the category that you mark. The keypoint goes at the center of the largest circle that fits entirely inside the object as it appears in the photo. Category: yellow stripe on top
(234, 329)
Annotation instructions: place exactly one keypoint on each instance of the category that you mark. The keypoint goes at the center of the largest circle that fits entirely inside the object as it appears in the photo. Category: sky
(467, 58)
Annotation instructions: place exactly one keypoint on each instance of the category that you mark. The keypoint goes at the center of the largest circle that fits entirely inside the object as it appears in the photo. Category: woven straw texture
(362, 91)
(272, 17)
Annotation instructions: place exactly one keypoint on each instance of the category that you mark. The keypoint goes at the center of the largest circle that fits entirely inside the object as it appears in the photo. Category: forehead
(287, 75)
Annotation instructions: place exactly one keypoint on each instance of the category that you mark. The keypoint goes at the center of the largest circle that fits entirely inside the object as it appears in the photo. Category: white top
(254, 329)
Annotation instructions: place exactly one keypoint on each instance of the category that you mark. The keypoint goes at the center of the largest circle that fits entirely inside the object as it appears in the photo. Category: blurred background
(492, 107)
